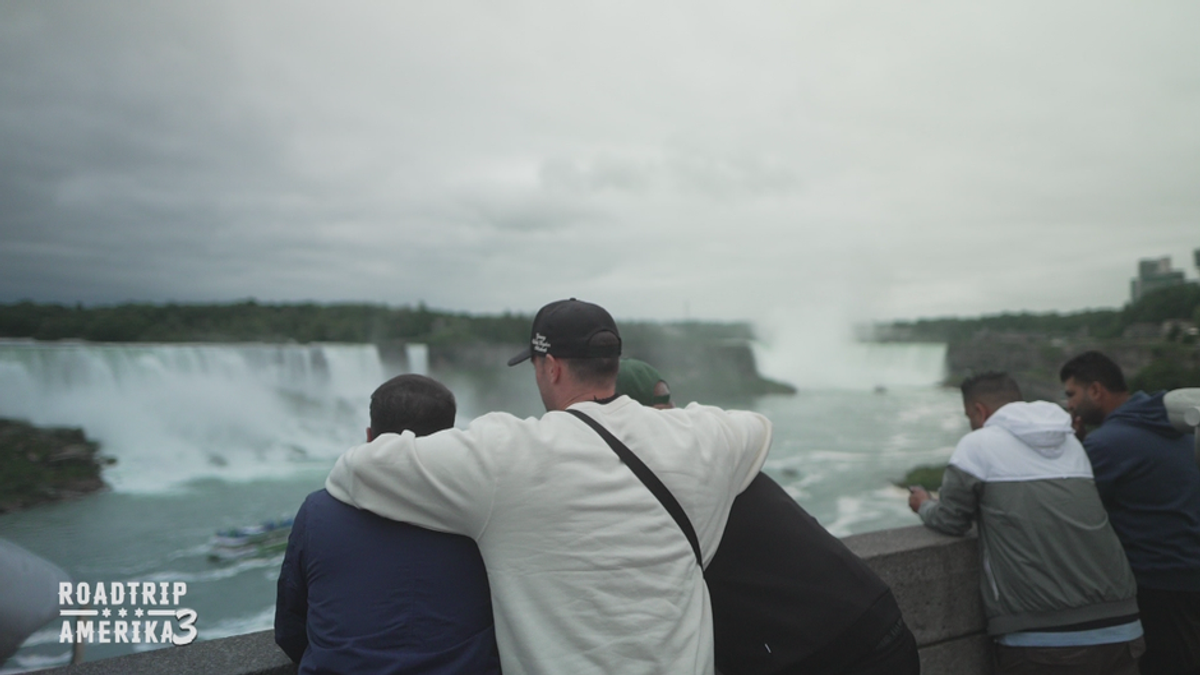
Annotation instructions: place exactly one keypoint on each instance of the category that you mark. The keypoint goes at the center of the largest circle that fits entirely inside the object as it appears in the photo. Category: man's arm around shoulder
(445, 481)
(747, 432)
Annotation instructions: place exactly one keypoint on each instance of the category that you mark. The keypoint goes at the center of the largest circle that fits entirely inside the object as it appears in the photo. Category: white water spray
(418, 358)
(174, 413)
(815, 351)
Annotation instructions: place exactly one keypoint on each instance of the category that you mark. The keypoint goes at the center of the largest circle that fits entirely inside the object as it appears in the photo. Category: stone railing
(935, 579)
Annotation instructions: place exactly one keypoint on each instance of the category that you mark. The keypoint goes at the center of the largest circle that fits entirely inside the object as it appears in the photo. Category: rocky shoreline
(43, 465)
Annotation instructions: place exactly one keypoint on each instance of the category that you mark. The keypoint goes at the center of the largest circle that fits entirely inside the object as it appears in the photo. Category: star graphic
(121, 612)
(138, 612)
(106, 613)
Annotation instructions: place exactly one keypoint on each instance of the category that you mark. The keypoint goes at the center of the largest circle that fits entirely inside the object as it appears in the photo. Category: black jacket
(785, 591)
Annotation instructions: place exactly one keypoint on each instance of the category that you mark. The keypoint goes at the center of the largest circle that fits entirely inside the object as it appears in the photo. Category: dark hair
(598, 370)
(994, 388)
(1091, 367)
(413, 403)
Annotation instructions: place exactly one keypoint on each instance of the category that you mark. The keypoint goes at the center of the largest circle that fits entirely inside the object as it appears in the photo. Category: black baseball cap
(565, 328)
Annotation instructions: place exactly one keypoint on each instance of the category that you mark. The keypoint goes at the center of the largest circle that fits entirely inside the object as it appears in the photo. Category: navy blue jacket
(362, 594)
(1148, 480)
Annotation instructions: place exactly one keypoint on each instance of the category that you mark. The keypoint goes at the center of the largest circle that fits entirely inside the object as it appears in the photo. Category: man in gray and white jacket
(1057, 590)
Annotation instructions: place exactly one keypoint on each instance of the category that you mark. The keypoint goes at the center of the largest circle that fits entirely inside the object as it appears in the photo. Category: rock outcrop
(39, 465)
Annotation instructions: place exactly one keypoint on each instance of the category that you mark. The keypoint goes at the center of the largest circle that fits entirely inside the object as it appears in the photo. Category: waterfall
(816, 354)
(418, 358)
(856, 365)
(175, 413)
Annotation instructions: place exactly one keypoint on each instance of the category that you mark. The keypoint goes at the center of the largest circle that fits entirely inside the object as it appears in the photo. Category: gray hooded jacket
(1050, 557)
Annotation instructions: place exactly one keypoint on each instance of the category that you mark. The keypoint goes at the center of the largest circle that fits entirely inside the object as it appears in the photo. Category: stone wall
(935, 579)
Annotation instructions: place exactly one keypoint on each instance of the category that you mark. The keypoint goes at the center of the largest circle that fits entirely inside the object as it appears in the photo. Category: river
(217, 436)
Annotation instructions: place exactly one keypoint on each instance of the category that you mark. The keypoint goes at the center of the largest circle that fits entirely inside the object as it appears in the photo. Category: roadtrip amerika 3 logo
(131, 612)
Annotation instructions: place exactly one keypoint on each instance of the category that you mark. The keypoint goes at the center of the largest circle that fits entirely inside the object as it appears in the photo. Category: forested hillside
(1179, 302)
(308, 322)
(1154, 340)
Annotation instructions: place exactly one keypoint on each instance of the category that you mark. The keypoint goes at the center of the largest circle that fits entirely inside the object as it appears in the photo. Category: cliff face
(1034, 359)
(709, 370)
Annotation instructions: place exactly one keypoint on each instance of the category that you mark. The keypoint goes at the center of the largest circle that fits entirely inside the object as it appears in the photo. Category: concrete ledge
(935, 579)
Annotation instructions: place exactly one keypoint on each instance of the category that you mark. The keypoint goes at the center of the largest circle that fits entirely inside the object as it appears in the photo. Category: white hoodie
(1023, 441)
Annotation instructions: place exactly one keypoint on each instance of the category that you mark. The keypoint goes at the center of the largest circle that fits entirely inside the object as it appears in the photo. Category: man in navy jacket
(363, 594)
(1149, 482)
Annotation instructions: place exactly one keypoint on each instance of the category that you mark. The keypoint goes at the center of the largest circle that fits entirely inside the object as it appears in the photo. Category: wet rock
(41, 465)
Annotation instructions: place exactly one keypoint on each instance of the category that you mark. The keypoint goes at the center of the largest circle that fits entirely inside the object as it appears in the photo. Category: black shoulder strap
(651, 481)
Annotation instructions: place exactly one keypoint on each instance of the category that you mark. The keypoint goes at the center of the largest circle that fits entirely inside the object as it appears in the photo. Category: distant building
(1176, 328)
(1156, 273)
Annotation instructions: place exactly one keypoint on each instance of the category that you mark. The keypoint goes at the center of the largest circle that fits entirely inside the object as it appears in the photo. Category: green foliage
(40, 465)
(1176, 302)
(244, 321)
(1164, 374)
(307, 322)
(1096, 323)
(928, 477)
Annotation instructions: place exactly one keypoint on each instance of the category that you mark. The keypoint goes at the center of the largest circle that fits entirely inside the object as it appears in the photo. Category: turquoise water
(211, 437)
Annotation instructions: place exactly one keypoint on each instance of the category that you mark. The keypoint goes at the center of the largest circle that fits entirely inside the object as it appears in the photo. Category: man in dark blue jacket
(1149, 482)
(362, 594)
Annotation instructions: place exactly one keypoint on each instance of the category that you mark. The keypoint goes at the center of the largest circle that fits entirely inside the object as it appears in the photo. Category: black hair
(413, 403)
(994, 388)
(600, 370)
(1092, 366)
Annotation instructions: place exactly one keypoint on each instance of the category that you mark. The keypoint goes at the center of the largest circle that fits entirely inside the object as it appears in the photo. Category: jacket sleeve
(958, 502)
(291, 601)
(445, 481)
(748, 432)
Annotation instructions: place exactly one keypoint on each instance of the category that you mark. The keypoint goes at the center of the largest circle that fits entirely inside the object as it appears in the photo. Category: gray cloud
(695, 174)
(855, 159)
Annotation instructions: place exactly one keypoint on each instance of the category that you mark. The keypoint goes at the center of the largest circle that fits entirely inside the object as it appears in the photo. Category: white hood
(1023, 441)
(1041, 425)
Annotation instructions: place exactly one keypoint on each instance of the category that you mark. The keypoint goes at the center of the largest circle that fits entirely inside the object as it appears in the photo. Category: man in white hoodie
(1057, 589)
(589, 572)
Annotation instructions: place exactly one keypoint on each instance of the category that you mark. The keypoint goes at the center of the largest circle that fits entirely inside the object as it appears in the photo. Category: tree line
(1177, 302)
(251, 321)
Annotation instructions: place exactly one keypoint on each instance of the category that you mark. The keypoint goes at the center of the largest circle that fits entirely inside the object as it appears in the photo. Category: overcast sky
(842, 160)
